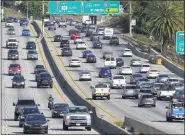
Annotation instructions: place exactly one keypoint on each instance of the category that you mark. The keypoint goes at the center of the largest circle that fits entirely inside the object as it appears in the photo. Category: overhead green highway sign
(101, 7)
(65, 7)
(180, 42)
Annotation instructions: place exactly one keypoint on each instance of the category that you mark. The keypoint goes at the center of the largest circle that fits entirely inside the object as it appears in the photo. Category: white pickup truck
(12, 43)
(9, 24)
(110, 62)
(165, 92)
(100, 90)
(118, 81)
(108, 33)
(62, 23)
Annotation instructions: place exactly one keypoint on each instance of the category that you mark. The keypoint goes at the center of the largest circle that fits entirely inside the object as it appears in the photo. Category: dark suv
(35, 123)
(21, 103)
(57, 38)
(27, 110)
(44, 79)
(66, 51)
(114, 40)
(18, 81)
(31, 45)
(13, 55)
(64, 43)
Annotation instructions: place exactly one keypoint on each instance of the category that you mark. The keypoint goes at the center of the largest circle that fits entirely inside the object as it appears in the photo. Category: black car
(114, 40)
(135, 77)
(119, 62)
(84, 29)
(38, 67)
(30, 45)
(94, 37)
(91, 59)
(35, 123)
(66, 52)
(64, 43)
(46, 24)
(57, 38)
(44, 79)
(11, 31)
(59, 109)
(27, 110)
(88, 33)
(72, 31)
(38, 72)
(97, 45)
(13, 55)
(18, 81)
(21, 103)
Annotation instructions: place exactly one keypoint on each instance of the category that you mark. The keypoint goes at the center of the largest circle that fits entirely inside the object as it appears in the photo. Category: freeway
(116, 105)
(10, 95)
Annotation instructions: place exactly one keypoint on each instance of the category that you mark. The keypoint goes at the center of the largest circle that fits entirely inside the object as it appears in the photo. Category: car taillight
(109, 90)
(171, 111)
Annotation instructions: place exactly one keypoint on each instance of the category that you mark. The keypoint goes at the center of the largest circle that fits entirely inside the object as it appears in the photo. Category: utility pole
(27, 10)
(130, 15)
(43, 18)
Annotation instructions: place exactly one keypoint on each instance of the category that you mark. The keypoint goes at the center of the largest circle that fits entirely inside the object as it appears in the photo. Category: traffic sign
(101, 7)
(65, 7)
(180, 42)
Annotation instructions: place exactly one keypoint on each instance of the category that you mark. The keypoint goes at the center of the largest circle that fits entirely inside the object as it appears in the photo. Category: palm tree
(166, 18)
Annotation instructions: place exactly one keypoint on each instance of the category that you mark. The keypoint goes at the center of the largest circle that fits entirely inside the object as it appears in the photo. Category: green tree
(166, 18)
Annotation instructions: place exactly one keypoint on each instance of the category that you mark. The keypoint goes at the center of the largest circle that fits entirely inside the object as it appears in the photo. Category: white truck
(118, 81)
(100, 90)
(62, 23)
(110, 62)
(165, 93)
(86, 20)
(108, 33)
(12, 43)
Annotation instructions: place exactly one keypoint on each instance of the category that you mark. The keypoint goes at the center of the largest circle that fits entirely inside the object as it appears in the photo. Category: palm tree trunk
(164, 45)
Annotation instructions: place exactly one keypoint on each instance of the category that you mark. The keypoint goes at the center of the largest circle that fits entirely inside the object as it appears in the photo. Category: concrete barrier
(97, 122)
(141, 128)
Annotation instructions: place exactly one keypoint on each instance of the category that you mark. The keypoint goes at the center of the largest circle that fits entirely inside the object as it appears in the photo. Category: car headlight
(88, 117)
(54, 111)
(22, 117)
(14, 82)
(27, 124)
(68, 117)
(44, 124)
(22, 82)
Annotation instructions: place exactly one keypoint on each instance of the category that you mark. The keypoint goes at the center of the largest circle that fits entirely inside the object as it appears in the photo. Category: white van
(108, 33)
(110, 62)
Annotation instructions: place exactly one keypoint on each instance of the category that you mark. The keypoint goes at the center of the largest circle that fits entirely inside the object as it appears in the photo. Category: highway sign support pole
(43, 18)
(130, 15)
(27, 9)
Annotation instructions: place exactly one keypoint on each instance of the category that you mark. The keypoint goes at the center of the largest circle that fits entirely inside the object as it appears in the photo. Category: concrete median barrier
(141, 128)
(98, 122)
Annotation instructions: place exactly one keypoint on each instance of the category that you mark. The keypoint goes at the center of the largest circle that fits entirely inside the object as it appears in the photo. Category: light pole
(27, 10)
(130, 15)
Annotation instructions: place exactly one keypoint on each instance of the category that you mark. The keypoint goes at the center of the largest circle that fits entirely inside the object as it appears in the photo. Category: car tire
(88, 128)
(23, 86)
(38, 86)
(46, 132)
(64, 126)
(108, 97)
(136, 97)
(20, 125)
(51, 86)
(15, 118)
(53, 116)
(12, 86)
(154, 105)
(123, 97)
(94, 97)
(139, 105)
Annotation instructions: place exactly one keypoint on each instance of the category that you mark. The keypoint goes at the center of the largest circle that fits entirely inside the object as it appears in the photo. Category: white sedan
(136, 62)
(145, 68)
(125, 70)
(85, 75)
(74, 62)
(81, 45)
(78, 39)
(127, 52)
(118, 81)
(153, 73)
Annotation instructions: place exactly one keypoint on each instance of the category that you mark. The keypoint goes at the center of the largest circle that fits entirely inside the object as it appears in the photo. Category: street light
(130, 15)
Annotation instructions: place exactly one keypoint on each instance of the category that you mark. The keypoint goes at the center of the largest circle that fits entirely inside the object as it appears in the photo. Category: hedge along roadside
(97, 121)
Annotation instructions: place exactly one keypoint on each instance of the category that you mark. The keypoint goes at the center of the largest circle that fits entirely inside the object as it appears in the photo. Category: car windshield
(114, 38)
(74, 60)
(45, 75)
(178, 85)
(32, 52)
(131, 87)
(166, 88)
(39, 66)
(87, 52)
(31, 43)
(101, 86)
(143, 79)
(12, 40)
(30, 110)
(35, 118)
(26, 102)
(58, 106)
(118, 77)
(146, 84)
(106, 53)
(178, 105)
(26, 30)
(119, 59)
(153, 70)
(137, 75)
(109, 59)
(127, 50)
(136, 60)
(65, 41)
(11, 29)
(78, 110)
(159, 85)
(100, 29)
(163, 75)
(173, 80)
(14, 65)
(146, 66)
(40, 71)
(18, 78)
(148, 96)
(13, 51)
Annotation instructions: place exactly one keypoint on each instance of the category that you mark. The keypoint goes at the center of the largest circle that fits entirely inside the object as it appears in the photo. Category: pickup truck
(118, 81)
(175, 111)
(77, 116)
(110, 62)
(12, 43)
(62, 23)
(100, 90)
(165, 92)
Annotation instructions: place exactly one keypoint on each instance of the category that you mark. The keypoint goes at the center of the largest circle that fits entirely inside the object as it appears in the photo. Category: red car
(74, 35)
(14, 69)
